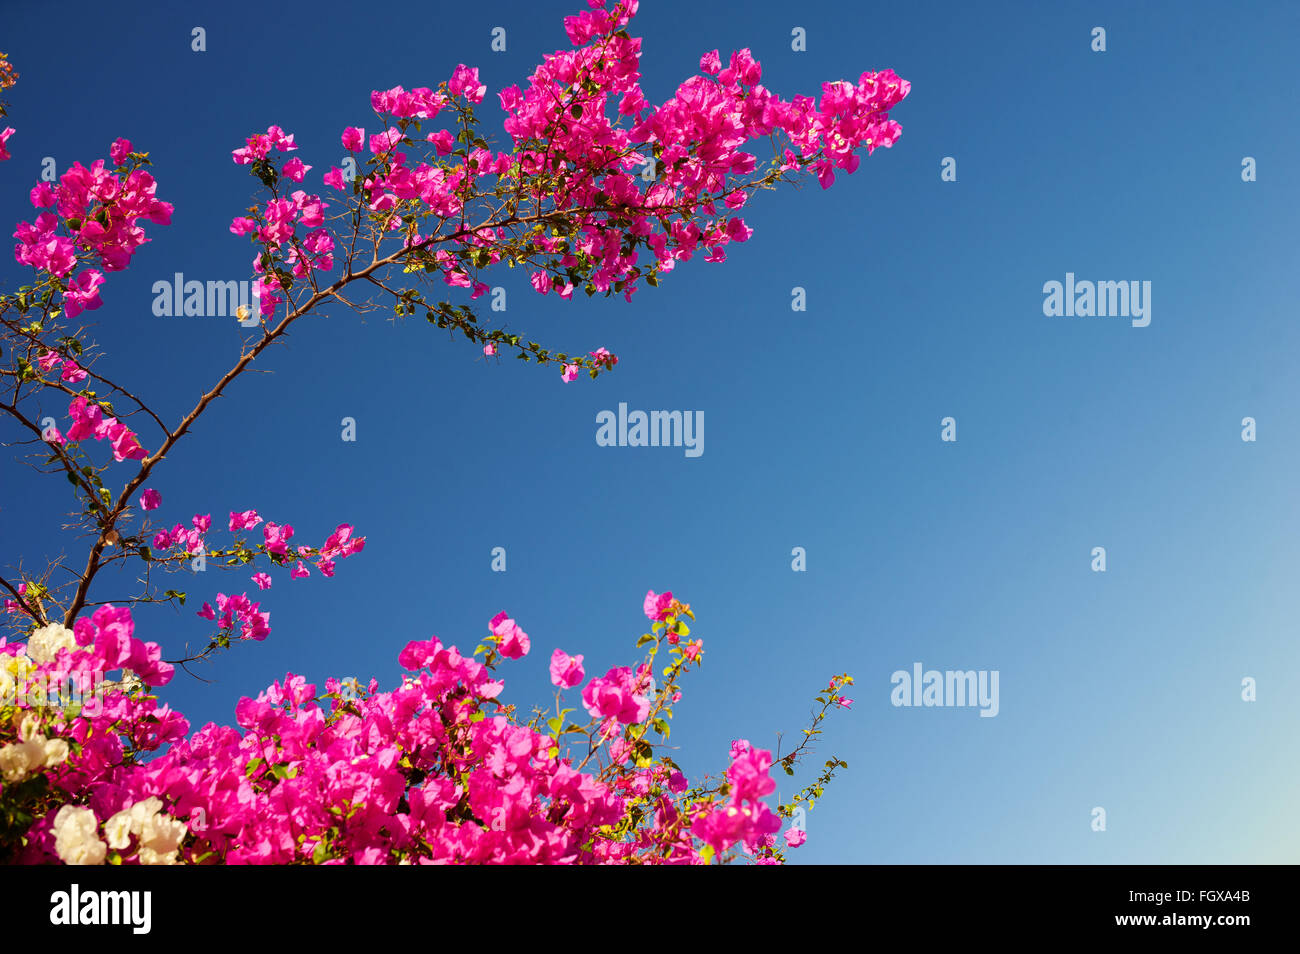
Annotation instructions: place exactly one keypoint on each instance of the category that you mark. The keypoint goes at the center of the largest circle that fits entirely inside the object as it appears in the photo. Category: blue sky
(1119, 689)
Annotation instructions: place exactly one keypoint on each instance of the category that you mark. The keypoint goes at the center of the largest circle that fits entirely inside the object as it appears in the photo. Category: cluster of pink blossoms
(433, 771)
(587, 162)
(281, 217)
(88, 420)
(696, 136)
(237, 611)
(744, 817)
(619, 695)
(72, 372)
(190, 540)
(100, 210)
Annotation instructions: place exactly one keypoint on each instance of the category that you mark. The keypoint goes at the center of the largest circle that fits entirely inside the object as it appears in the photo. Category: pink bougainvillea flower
(125, 445)
(794, 837)
(244, 521)
(341, 543)
(353, 138)
(657, 605)
(385, 141)
(566, 670)
(464, 81)
(72, 372)
(150, 500)
(513, 642)
(262, 580)
(443, 140)
(83, 293)
(570, 372)
(295, 169)
(277, 538)
(615, 695)
(4, 140)
(119, 150)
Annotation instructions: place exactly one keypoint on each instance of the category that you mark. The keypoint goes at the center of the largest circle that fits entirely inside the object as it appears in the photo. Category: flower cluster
(435, 770)
(618, 190)
(88, 420)
(96, 211)
(236, 616)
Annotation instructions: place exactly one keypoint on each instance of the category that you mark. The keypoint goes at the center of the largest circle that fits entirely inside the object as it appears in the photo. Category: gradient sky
(1119, 689)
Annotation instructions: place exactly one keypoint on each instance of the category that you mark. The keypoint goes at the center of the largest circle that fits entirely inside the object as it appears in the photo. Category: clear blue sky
(1119, 690)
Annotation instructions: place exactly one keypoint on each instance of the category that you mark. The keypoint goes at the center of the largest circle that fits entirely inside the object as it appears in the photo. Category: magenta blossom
(513, 641)
(616, 695)
(657, 605)
(566, 670)
(244, 521)
(464, 81)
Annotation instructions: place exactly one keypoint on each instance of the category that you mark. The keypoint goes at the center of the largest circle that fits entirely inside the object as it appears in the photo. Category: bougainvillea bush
(597, 190)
